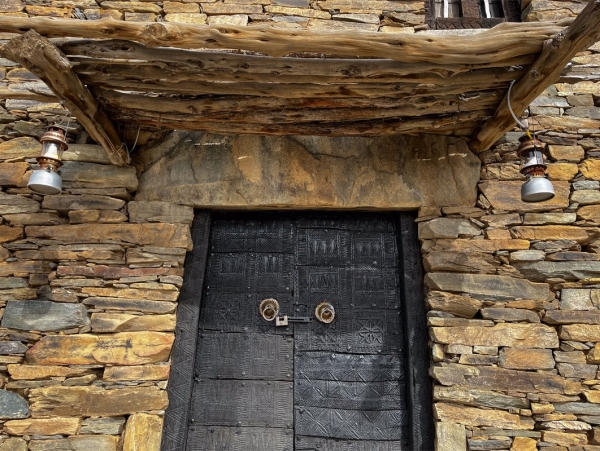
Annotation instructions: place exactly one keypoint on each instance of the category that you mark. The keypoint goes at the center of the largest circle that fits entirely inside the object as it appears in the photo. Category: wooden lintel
(43, 59)
(505, 41)
(23, 94)
(556, 54)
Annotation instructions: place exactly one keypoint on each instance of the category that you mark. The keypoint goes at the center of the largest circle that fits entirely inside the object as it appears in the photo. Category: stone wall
(88, 288)
(514, 293)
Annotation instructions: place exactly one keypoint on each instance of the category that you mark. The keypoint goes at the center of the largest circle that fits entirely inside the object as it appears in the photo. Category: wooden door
(341, 386)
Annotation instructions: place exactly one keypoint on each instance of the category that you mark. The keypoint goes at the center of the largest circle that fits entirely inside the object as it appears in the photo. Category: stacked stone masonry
(89, 279)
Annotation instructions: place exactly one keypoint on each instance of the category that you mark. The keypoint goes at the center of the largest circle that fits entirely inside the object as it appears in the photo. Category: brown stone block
(109, 272)
(198, 19)
(132, 293)
(143, 431)
(13, 174)
(488, 287)
(462, 306)
(87, 175)
(526, 359)
(564, 438)
(166, 235)
(178, 7)
(572, 317)
(136, 305)
(8, 233)
(116, 322)
(66, 202)
(48, 11)
(132, 7)
(86, 153)
(474, 417)
(589, 213)
(504, 380)
(13, 204)
(25, 219)
(524, 444)
(564, 123)
(507, 196)
(99, 216)
(551, 233)
(137, 373)
(78, 443)
(39, 372)
(95, 401)
(126, 348)
(12, 268)
(222, 8)
(460, 262)
(20, 294)
(568, 153)
(590, 169)
(580, 332)
(156, 211)
(51, 426)
(513, 335)
(562, 171)
(488, 246)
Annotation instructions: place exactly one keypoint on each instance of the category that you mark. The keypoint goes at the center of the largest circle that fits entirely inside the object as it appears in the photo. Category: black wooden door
(342, 386)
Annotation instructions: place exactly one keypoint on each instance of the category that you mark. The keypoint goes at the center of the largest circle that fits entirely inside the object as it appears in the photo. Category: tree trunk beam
(43, 59)
(503, 42)
(556, 54)
(273, 116)
(22, 94)
(222, 66)
(273, 111)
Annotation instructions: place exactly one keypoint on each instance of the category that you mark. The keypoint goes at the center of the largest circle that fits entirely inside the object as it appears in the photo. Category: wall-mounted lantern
(537, 188)
(46, 180)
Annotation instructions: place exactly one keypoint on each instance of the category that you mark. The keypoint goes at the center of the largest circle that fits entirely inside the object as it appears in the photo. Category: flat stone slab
(568, 270)
(507, 196)
(165, 235)
(241, 171)
(44, 315)
(126, 348)
(513, 335)
(488, 287)
(95, 401)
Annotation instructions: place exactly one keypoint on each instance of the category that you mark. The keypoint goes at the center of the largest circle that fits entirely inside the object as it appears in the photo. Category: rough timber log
(43, 59)
(126, 57)
(505, 41)
(556, 54)
(97, 71)
(23, 94)
(283, 111)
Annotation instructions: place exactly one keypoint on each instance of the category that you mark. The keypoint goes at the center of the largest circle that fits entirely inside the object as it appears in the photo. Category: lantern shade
(537, 189)
(45, 181)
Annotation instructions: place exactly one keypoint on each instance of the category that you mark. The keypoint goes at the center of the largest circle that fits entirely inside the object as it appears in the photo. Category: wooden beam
(556, 54)
(265, 111)
(105, 55)
(503, 42)
(43, 59)
(96, 70)
(23, 94)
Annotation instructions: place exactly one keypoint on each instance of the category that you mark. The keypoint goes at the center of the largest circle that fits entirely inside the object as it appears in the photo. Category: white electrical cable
(520, 124)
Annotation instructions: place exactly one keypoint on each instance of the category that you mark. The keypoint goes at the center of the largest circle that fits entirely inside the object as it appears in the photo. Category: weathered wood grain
(504, 41)
(557, 53)
(126, 56)
(43, 59)
(22, 94)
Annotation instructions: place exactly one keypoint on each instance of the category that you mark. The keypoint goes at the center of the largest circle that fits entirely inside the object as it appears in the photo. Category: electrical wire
(524, 127)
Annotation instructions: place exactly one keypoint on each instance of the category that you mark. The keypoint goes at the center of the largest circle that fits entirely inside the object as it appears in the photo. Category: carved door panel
(307, 386)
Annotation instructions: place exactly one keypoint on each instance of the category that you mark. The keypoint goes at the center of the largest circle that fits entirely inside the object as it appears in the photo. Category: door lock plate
(285, 320)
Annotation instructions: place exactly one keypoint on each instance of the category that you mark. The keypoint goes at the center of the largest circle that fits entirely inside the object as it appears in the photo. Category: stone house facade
(89, 280)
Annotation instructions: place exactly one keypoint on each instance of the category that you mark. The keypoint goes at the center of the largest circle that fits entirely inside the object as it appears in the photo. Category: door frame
(183, 359)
